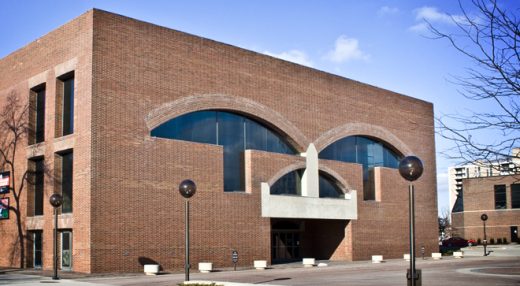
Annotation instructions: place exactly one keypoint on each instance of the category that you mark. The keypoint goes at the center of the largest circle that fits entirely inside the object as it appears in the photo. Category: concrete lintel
(280, 206)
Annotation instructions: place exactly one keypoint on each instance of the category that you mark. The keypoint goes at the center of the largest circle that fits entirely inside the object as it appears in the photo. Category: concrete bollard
(377, 258)
(308, 262)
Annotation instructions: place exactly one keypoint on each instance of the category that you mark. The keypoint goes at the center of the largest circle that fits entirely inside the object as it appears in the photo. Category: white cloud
(294, 56)
(346, 49)
(385, 10)
(433, 15)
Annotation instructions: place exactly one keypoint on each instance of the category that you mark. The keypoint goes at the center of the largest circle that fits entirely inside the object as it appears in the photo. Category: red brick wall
(67, 48)
(479, 198)
(126, 205)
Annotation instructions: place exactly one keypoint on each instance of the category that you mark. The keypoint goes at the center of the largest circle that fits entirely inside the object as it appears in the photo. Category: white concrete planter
(406, 257)
(436, 255)
(458, 254)
(308, 262)
(260, 264)
(151, 269)
(377, 258)
(205, 267)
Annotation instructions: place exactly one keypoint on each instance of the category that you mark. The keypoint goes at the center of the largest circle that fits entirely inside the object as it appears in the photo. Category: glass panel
(289, 184)
(37, 248)
(365, 151)
(38, 187)
(515, 196)
(40, 116)
(198, 127)
(234, 132)
(231, 136)
(66, 182)
(66, 249)
(329, 188)
(68, 106)
(500, 197)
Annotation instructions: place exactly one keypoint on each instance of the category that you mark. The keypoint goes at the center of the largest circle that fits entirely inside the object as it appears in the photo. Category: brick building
(289, 161)
(486, 188)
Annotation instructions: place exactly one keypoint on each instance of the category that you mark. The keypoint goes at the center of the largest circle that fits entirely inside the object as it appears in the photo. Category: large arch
(363, 129)
(260, 112)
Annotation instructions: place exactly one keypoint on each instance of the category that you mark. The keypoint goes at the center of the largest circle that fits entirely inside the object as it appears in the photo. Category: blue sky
(383, 43)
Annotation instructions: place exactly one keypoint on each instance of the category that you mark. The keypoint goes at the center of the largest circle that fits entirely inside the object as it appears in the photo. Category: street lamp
(411, 168)
(56, 200)
(484, 217)
(187, 188)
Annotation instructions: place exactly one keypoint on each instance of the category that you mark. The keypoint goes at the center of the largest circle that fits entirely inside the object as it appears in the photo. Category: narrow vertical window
(68, 106)
(515, 196)
(66, 181)
(500, 197)
(36, 171)
(38, 186)
(65, 105)
(37, 114)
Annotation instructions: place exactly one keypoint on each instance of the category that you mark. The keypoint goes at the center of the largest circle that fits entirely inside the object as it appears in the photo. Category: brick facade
(130, 76)
(479, 198)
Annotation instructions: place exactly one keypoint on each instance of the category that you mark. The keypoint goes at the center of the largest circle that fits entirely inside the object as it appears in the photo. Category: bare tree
(444, 223)
(14, 128)
(490, 38)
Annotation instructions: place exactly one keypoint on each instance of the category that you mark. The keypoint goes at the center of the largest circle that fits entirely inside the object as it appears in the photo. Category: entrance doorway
(37, 249)
(514, 234)
(285, 242)
(66, 250)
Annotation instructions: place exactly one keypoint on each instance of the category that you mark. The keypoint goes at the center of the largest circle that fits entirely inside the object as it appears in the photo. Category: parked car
(452, 244)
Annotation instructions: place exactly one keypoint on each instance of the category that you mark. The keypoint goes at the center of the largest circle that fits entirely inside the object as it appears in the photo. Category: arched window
(329, 187)
(365, 151)
(288, 184)
(233, 131)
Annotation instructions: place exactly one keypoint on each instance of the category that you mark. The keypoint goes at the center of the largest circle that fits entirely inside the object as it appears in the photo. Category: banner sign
(4, 182)
(4, 208)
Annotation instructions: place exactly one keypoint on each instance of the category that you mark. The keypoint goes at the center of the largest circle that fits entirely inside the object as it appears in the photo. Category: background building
(290, 162)
(492, 188)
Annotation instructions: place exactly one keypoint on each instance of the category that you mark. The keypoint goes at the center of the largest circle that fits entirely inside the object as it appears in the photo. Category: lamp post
(411, 168)
(56, 200)
(187, 188)
(484, 217)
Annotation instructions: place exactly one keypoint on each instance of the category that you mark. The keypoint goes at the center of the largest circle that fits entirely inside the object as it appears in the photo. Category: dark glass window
(500, 197)
(329, 188)
(365, 151)
(40, 116)
(66, 181)
(68, 106)
(39, 177)
(515, 196)
(289, 184)
(233, 131)
(37, 249)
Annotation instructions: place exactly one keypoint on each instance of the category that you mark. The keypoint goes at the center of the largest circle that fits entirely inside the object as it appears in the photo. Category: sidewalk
(475, 270)
(497, 250)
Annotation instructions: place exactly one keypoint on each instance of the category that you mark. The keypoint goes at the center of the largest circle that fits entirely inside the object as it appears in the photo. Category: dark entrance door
(285, 242)
(514, 234)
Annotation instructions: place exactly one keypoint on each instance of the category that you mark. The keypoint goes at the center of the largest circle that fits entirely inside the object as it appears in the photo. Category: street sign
(4, 182)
